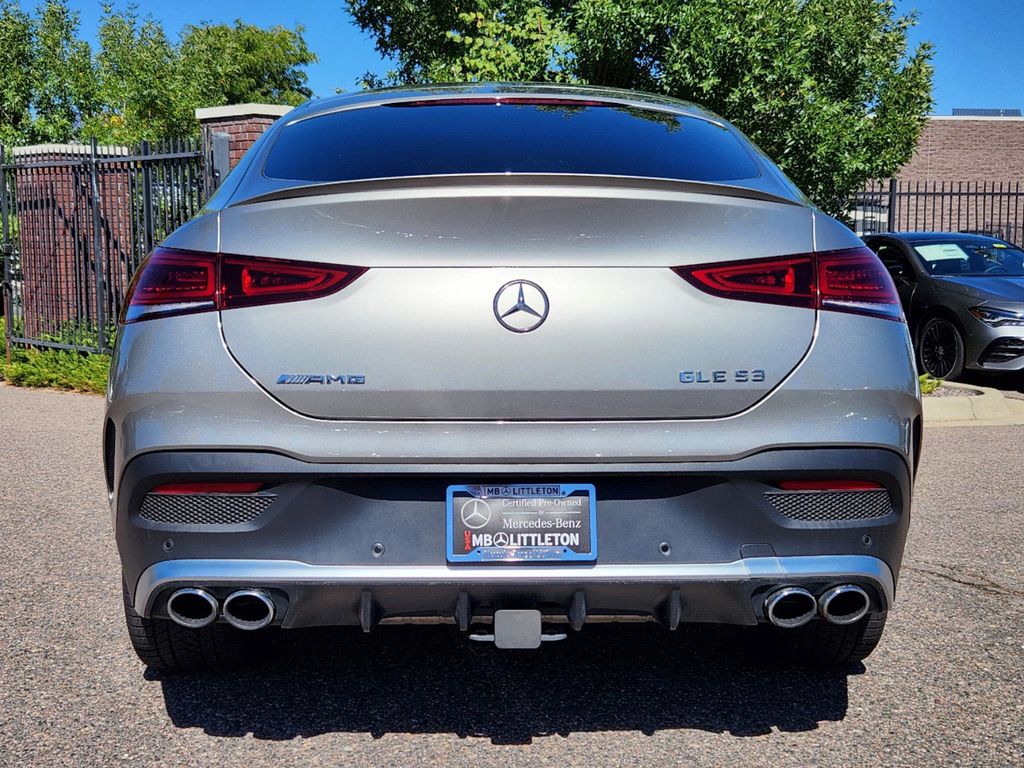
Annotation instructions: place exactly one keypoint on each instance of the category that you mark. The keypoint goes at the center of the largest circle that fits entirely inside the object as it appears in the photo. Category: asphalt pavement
(946, 686)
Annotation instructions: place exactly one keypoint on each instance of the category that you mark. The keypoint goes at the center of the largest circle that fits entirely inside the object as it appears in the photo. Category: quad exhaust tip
(790, 607)
(192, 608)
(248, 609)
(845, 604)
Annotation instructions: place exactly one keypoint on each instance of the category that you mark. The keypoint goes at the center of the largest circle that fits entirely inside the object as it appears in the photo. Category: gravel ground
(953, 392)
(944, 687)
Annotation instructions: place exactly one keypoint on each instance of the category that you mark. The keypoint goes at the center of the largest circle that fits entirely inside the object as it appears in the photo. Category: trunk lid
(420, 334)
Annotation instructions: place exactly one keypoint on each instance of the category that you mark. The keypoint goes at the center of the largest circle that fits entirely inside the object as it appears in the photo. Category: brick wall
(954, 149)
(243, 124)
(53, 205)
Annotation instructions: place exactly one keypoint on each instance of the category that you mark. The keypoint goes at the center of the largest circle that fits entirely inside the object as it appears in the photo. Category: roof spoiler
(515, 180)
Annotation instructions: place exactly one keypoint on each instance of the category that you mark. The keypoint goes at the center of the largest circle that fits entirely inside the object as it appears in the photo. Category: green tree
(222, 64)
(140, 83)
(135, 70)
(828, 88)
(46, 79)
(16, 78)
(150, 88)
(61, 72)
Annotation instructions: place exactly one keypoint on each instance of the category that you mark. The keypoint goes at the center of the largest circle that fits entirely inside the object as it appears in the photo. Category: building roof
(974, 112)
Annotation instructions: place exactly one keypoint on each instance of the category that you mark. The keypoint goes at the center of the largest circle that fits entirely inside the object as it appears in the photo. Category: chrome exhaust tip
(790, 607)
(845, 604)
(248, 609)
(192, 608)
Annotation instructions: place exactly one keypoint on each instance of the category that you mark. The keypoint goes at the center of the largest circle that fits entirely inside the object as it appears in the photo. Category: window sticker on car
(941, 252)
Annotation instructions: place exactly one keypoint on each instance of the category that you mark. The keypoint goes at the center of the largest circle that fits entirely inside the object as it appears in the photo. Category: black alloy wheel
(941, 349)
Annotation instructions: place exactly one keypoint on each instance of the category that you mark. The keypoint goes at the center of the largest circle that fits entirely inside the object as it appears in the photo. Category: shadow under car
(418, 679)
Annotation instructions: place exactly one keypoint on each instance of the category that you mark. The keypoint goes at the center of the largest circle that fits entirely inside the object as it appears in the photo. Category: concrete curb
(988, 409)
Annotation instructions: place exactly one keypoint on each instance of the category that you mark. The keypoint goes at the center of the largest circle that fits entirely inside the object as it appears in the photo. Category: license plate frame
(540, 528)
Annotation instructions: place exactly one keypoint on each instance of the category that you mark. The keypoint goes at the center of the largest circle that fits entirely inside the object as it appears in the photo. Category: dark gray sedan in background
(963, 296)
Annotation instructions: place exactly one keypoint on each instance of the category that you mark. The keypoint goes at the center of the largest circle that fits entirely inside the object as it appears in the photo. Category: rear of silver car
(471, 386)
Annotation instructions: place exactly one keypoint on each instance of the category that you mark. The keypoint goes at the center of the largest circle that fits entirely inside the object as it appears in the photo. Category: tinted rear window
(425, 140)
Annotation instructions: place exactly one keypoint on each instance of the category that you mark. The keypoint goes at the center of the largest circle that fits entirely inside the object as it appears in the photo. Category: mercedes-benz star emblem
(475, 513)
(521, 306)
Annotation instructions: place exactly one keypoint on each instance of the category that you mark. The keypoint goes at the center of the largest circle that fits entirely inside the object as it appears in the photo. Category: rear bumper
(313, 547)
(314, 595)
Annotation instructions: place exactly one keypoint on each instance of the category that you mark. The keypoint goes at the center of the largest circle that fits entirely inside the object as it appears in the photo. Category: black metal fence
(76, 222)
(995, 209)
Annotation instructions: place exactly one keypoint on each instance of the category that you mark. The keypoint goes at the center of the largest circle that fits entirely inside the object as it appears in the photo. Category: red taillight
(851, 280)
(856, 281)
(175, 278)
(247, 281)
(828, 485)
(173, 282)
(776, 281)
(187, 489)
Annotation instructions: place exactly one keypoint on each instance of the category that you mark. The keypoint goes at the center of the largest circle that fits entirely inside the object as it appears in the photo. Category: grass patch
(929, 384)
(56, 369)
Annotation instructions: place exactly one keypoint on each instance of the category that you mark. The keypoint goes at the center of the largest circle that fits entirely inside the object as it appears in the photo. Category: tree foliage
(45, 73)
(828, 88)
(136, 73)
(138, 83)
(15, 75)
(221, 64)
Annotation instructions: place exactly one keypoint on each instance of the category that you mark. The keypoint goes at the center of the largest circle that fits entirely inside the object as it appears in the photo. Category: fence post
(221, 157)
(6, 288)
(228, 131)
(147, 200)
(97, 247)
(891, 222)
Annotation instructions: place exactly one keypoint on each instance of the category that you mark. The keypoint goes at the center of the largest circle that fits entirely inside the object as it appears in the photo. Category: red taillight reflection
(173, 282)
(183, 489)
(828, 485)
(850, 280)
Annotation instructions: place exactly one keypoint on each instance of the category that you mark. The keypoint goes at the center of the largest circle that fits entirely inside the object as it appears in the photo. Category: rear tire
(940, 349)
(165, 646)
(819, 643)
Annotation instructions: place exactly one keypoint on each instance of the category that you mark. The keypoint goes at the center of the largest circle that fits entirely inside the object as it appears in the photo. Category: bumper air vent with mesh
(831, 506)
(203, 509)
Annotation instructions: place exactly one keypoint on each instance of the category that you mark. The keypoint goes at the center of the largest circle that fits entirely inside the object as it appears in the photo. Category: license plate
(499, 523)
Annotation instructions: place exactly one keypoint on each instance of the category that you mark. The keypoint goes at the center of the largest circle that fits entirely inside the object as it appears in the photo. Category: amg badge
(321, 378)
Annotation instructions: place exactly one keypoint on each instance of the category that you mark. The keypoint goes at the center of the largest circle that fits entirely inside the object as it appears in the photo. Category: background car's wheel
(819, 643)
(940, 349)
(168, 647)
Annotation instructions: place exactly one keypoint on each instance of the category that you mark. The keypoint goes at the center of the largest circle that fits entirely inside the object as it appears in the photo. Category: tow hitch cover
(517, 629)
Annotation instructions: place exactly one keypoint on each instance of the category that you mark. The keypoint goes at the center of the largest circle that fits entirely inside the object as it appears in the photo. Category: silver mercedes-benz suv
(513, 357)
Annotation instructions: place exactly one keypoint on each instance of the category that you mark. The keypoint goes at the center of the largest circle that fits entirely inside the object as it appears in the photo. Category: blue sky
(977, 61)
